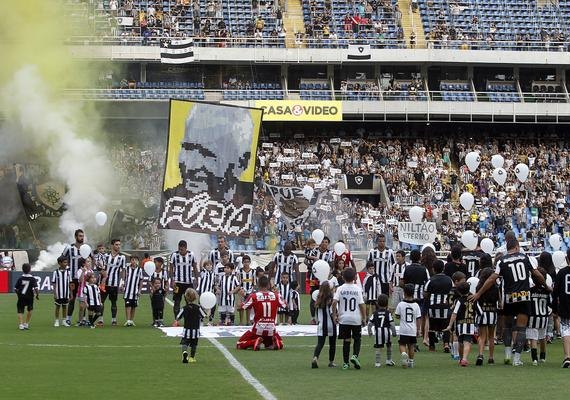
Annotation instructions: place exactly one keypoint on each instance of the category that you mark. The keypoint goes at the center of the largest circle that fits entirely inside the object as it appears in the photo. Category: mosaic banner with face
(210, 165)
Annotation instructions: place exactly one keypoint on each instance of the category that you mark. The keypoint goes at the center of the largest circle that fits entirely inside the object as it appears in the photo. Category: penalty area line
(249, 378)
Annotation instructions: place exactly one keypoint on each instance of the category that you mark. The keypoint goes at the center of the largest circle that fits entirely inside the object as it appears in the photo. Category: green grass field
(139, 363)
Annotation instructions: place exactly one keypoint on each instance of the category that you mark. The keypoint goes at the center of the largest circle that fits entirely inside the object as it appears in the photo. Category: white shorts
(397, 296)
(535, 334)
(565, 327)
(226, 309)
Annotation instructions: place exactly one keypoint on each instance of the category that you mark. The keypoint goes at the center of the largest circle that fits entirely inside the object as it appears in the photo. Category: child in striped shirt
(192, 314)
(383, 323)
(326, 325)
(60, 281)
(91, 295)
(294, 304)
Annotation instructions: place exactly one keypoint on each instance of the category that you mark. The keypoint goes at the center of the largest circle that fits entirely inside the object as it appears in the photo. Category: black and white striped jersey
(466, 316)
(383, 261)
(182, 266)
(207, 281)
(71, 252)
(326, 325)
(382, 322)
(227, 285)
(247, 280)
(215, 257)
(417, 275)
(472, 260)
(295, 301)
(285, 292)
(284, 263)
(439, 286)
(162, 275)
(398, 273)
(92, 295)
(326, 255)
(487, 313)
(60, 281)
(371, 287)
(540, 301)
(115, 264)
(133, 278)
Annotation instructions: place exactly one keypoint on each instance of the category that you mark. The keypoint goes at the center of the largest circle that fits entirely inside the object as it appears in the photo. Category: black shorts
(466, 338)
(404, 340)
(95, 309)
(61, 302)
(438, 324)
(370, 302)
(24, 302)
(131, 303)
(514, 309)
(180, 289)
(282, 312)
(385, 288)
(112, 292)
(349, 331)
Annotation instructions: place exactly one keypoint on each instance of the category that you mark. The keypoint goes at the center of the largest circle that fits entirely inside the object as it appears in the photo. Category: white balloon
(472, 160)
(416, 214)
(149, 267)
(207, 300)
(466, 199)
(559, 259)
(428, 245)
(487, 245)
(521, 171)
(308, 192)
(473, 282)
(321, 270)
(100, 218)
(315, 294)
(555, 241)
(497, 161)
(318, 235)
(500, 176)
(339, 248)
(85, 250)
(469, 240)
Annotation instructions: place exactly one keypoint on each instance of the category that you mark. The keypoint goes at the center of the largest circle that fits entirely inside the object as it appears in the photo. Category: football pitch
(140, 363)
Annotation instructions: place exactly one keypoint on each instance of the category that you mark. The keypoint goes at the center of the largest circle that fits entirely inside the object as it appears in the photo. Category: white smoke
(48, 258)
(198, 243)
(50, 127)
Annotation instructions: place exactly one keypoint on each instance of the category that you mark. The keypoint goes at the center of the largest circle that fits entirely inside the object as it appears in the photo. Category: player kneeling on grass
(464, 315)
(26, 287)
(326, 325)
(410, 314)
(192, 314)
(264, 304)
(350, 313)
(60, 282)
(382, 322)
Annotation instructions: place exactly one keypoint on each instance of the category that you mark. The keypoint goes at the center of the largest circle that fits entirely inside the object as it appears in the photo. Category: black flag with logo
(41, 196)
(364, 182)
(359, 52)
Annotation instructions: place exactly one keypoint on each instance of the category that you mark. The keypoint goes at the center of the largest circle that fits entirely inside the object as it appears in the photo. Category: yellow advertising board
(300, 110)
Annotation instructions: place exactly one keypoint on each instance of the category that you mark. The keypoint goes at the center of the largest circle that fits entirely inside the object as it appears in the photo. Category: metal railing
(316, 94)
(328, 43)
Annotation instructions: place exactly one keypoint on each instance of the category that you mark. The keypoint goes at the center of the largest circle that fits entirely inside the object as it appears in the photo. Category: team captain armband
(518, 296)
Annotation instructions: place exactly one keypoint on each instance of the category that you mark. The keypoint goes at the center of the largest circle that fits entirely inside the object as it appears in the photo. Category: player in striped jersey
(383, 323)
(383, 260)
(371, 288)
(540, 300)
(294, 304)
(115, 265)
(464, 316)
(71, 252)
(215, 255)
(60, 282)
(132, 289)
(487, 319)
(160, 273)
(192, 314)
(472, 260)
(284, 261)
(207, 283)
(397, 275)
(326, 325)
(246, 278)
(284, 289)
(92, 299)
(227, 287)
(182, 269)
(436, 295)
(417, 275)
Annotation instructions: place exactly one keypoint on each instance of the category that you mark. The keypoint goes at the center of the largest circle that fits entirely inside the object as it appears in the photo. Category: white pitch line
(249, 378)
(126, 346)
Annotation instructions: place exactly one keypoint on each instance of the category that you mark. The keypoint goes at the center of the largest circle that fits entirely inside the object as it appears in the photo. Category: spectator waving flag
(177, 51)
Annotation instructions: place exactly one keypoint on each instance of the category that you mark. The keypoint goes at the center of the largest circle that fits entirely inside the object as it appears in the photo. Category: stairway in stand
(412, 21)
(293, 21)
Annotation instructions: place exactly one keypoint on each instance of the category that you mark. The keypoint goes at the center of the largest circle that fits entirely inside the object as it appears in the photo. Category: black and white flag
(177, 51)
(359, 52)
